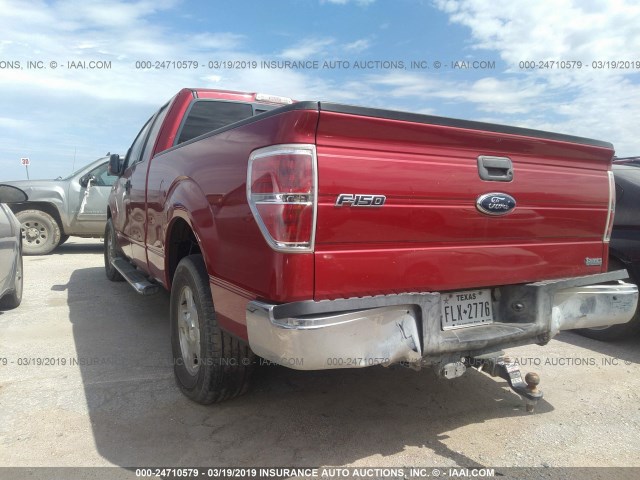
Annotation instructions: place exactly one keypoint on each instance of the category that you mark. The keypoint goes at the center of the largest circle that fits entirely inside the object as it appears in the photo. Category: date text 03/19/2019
(579, 65)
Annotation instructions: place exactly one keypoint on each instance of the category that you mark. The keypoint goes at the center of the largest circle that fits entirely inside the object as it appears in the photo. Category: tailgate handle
(496, 169)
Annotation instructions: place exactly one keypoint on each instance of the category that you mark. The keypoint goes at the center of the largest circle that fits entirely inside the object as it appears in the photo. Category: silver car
(72, 206)
(11, 278)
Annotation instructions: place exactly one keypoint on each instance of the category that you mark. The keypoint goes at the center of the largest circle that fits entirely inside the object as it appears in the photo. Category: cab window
(102, 177)
(155, 129)
(136, 149)
(208, 115)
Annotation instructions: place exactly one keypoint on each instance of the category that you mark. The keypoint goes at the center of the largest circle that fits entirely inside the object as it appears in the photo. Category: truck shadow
(627, 349)
(290, 418)
(71, 247)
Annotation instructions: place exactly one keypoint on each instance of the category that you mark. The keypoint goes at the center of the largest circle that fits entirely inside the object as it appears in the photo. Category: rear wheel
(14, 297)
(40, 232)
(615, 332)
(209, 364)
(111, 251)
(63, 238)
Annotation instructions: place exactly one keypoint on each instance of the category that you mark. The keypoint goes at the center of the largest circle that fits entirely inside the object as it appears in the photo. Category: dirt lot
(107, 396)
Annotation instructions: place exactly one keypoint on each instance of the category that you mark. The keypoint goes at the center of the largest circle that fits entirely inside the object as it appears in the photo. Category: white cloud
(308, 48)
(358, 46)
(13, 123)
(600, 103)
(316, 48)
(116, 14)
(488, 94)
(120, 32)
(604, 107)
(546, 30)
(215, 41)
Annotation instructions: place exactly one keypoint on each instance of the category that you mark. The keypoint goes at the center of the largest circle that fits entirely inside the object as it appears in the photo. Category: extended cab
(317, 236)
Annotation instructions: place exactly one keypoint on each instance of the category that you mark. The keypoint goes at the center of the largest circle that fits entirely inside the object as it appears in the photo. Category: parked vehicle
(57, 209)
(624, 251)
(11, 271)
(318, 236)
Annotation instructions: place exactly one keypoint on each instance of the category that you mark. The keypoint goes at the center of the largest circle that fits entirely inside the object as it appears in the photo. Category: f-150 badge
(360, 200)
(495, 203)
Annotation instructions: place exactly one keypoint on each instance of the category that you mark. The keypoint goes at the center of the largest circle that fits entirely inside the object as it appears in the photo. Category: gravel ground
(106, 396)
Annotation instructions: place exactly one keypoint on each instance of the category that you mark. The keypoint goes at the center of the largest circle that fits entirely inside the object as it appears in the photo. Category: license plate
(466, 309)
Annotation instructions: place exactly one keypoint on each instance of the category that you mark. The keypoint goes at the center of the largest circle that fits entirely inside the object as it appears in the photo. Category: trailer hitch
(503, 367)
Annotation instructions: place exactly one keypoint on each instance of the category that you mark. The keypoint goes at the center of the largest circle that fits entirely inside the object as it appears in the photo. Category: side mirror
(11, 194)
(116, 165)
(84, 180)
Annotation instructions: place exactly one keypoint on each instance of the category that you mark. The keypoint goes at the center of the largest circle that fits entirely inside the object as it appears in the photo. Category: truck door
(135, 188)
(95, 189)
(131, 175)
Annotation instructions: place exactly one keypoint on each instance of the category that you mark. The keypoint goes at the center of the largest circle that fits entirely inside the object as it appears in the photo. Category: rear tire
(615, 332)
(209, 364)
(63, 238)
(14, 297)
(40, 232)
(111, 251)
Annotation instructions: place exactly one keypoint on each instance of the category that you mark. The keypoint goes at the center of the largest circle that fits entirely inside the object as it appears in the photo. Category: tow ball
(504, 368)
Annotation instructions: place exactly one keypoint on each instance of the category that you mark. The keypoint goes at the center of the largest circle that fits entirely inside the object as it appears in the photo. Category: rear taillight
(612, 208)
(282, 194)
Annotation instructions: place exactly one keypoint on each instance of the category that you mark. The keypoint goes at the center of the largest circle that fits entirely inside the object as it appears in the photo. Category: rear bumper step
(134, 277)
(388, 329)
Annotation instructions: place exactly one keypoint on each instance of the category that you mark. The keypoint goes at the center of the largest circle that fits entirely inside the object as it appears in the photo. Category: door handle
(496, 169)
(127, 186)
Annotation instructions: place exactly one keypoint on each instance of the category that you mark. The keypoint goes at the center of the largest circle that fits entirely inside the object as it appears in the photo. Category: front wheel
(209, 364)
(40, 232)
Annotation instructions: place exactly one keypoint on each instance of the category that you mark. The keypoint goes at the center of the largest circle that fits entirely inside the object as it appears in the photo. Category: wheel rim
(189, 331)
(34, 233)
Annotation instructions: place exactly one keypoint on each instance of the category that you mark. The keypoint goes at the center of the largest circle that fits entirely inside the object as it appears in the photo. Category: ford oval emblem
(496, 203)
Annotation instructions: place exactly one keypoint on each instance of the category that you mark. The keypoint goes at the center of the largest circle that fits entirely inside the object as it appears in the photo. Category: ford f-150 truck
(316, 236)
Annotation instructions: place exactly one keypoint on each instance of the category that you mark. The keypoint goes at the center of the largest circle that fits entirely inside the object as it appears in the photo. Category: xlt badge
(593, 262)
(360, 200)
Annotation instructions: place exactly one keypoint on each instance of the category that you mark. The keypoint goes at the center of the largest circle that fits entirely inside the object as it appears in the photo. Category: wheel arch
(46, 207)
(191, 222)
(632, 267)
(182, 240)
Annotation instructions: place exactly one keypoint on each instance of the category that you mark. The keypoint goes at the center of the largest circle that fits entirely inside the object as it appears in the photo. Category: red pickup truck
(316, 235)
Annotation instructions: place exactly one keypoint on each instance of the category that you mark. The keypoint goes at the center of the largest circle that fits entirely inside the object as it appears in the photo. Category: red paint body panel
(208, 178)
(428, 236)
(177, 109)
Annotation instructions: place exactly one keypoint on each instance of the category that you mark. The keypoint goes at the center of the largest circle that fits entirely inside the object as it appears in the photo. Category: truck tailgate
(429, 234)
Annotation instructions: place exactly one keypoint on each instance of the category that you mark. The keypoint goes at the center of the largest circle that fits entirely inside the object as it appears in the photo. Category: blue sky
(62, 116)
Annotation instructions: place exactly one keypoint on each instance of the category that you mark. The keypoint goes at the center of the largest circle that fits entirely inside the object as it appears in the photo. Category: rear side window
(206, 116)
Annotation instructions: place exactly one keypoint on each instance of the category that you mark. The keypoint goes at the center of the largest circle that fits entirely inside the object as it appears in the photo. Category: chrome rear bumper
(360, 332)
(593, 306)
